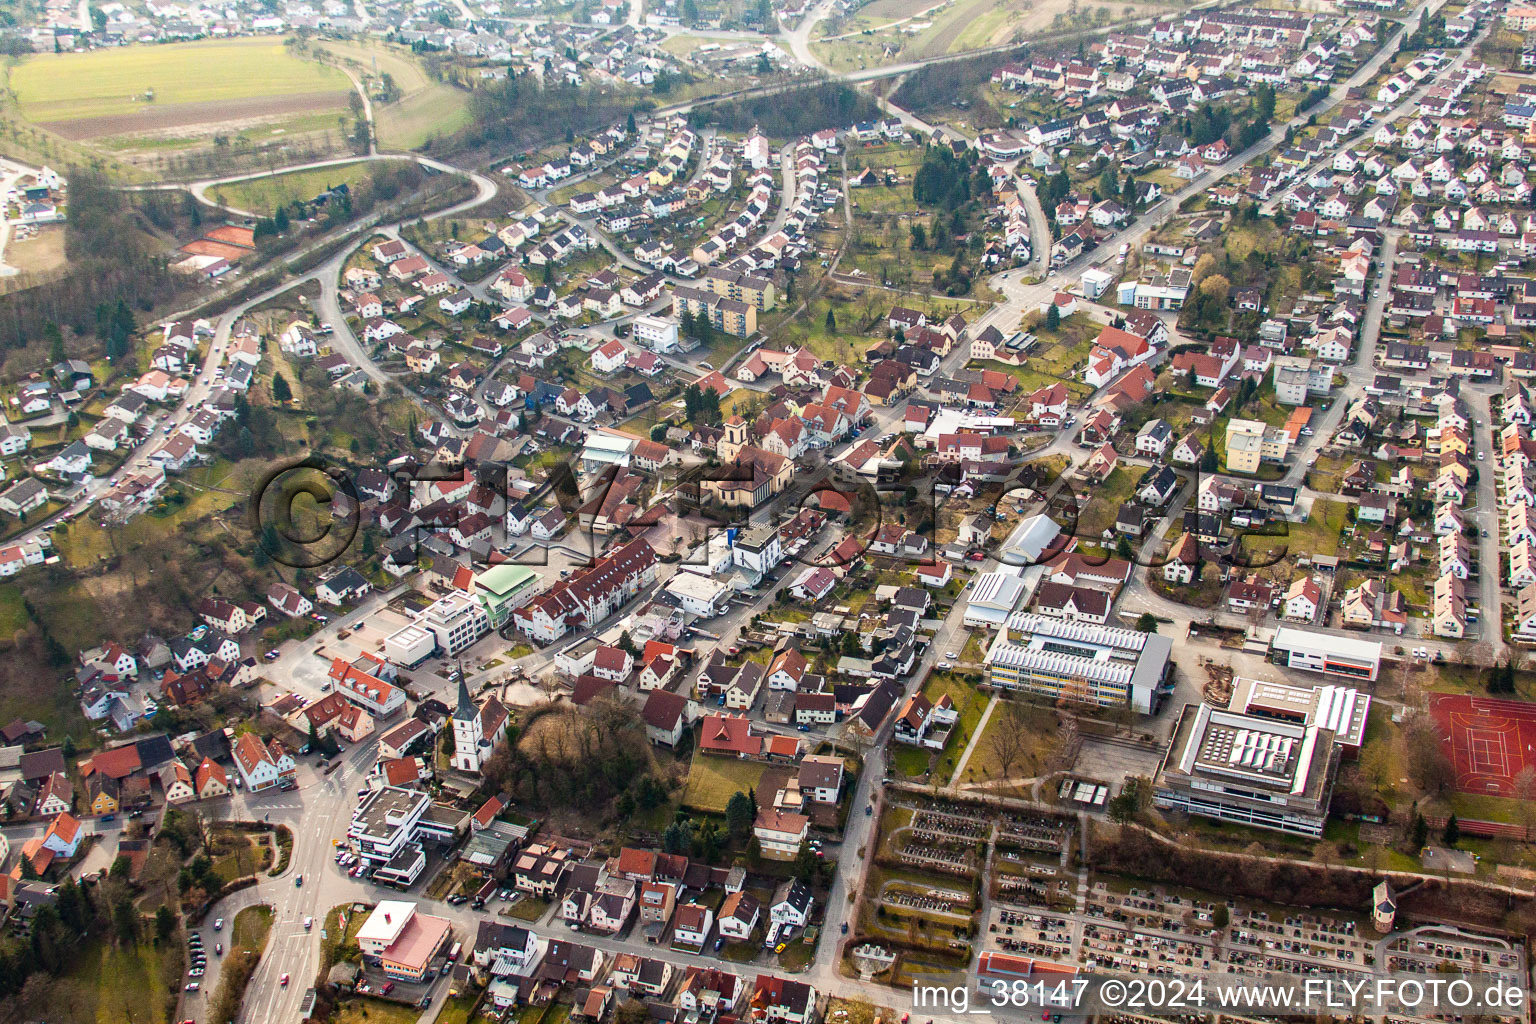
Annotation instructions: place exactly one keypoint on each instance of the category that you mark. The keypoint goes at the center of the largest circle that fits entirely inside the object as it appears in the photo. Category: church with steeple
(758, 474)
(477, 729)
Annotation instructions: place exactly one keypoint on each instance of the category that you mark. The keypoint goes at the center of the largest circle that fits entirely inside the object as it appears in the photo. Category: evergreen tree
(120, 331)
(807, 864)
(165, 923)
(830, 323)
(1052, 317)
(71, 906)
(55, 339)
(678, 838)
(125, 921)
(1452, 833)
(1420, 832)
(281, 392)
(739, 814)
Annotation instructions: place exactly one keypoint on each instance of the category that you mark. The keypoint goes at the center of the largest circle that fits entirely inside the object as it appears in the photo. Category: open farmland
(905, 31)
(425, 109)
(153, 88)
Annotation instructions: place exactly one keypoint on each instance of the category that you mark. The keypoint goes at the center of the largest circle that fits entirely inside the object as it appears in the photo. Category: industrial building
(993, 597)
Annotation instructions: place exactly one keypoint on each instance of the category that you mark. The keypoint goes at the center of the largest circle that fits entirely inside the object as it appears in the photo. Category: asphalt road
(319, 810)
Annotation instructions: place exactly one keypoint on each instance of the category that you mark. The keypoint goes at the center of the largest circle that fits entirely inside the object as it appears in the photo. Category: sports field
(1489, 741)
(108, 91)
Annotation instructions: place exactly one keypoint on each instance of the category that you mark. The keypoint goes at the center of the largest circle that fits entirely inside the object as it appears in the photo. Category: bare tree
(1006, 740)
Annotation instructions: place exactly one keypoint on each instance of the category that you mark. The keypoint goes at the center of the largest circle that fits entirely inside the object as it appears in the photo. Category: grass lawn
(1319, 535)
(114, 81)
(129, 985)
(1486, 808)
(250, 929)
(797, 956)
(844, 343)
(1063, 351)
(527, 909)
(456, 1010)
(426, 108)
(266, 194)
(362, 1010)
(1031, 378)
(910, 761)
(1117, 489)
(1327, 473)
(712, 781)
(13, 611)
(1040, 739)
(968, 701)
(237, 854)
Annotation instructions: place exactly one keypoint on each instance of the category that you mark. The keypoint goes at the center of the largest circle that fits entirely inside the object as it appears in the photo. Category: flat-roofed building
(1243, 768)
(456, 620)
(386, 822)
(1342, 709)
(1078, 661)
(410, 645)
(1325, 652)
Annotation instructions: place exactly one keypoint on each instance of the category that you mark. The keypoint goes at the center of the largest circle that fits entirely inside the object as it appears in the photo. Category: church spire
(466, 709)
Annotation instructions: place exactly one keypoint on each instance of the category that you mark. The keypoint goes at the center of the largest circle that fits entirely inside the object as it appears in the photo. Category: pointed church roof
(466, 711)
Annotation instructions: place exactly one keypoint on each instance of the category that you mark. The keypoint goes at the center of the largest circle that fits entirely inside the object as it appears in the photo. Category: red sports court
(1489, 741)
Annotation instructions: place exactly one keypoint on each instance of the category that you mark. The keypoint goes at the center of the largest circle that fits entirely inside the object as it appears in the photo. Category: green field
(250, 929)
(266, 194)
(426, 109)
(113, 82)
(118, 985)
(712, 781)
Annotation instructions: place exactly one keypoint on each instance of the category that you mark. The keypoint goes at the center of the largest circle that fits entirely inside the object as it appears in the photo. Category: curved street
(320, 809)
